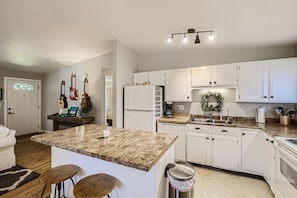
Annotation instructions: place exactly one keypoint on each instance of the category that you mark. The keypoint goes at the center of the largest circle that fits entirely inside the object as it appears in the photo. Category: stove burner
(293, 141)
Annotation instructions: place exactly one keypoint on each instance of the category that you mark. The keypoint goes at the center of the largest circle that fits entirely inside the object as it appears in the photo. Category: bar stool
(95, 186)
(58, 175)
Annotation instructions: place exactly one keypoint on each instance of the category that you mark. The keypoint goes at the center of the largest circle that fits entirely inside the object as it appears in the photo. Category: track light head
(211, 37)
(197, 40)
(169, 40)
(185, 39)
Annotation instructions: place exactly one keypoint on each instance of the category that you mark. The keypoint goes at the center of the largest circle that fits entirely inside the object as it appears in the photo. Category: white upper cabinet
(217, 75)
(253, 81)
(201, 76)
(177, 86)
(140, 78)
(283, 80)
(224, 75)
(152, 78)
(268, 81)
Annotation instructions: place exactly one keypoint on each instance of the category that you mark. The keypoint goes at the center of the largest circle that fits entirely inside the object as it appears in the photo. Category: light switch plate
(181, 107)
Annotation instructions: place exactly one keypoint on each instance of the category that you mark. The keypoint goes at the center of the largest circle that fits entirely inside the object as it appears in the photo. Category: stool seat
(98, 185)
(58, 174)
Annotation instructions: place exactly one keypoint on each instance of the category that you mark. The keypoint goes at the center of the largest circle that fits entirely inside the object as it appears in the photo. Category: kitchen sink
(214, 121)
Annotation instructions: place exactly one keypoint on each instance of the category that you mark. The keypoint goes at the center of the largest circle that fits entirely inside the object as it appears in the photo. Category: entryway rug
(15, 177)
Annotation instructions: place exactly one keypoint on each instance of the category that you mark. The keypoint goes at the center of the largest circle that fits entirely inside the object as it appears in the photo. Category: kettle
(260, 114)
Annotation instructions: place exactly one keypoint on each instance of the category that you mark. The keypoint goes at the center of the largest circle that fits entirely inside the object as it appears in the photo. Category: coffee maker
(168, 110)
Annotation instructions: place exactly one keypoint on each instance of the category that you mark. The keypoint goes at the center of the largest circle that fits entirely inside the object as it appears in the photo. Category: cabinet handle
(207, 138)
(224, 131)
(212, 138)
(188, 97)
(266, 139)
(272, 141)
(243, 133)
(214, 82)
(271, 96)
(210, 83)
(197, 128)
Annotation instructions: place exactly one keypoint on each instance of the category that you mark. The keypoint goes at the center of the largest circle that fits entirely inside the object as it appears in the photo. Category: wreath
(209, 107)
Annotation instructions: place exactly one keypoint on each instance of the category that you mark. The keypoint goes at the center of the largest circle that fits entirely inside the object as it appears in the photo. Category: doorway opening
(108, 100)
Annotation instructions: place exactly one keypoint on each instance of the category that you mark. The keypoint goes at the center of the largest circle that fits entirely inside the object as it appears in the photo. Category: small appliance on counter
(168, 110)
(260, 114)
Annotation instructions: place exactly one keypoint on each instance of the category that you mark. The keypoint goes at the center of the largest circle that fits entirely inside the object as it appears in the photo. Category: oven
(286, 167)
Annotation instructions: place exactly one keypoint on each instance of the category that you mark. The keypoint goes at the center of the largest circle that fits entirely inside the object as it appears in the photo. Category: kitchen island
(136, 158)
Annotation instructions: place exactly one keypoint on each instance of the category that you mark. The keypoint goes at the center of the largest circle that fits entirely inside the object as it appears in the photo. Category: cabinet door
(180, 143)
(224, 75)
(283, 80)
(201, 77)
(252, 155)
(253, 82)
(269, 159)
(198, 148)
(224, 152)
(156, 78)
(177, 88)
(140, 78)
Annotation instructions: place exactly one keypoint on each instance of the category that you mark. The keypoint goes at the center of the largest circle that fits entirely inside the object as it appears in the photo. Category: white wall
(125, 62)
(95, 87)
(191, 58)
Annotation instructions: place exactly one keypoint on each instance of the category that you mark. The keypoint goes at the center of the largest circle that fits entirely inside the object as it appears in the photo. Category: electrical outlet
(181, 107)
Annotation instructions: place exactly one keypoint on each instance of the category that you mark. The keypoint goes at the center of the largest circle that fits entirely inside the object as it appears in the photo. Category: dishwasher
(180, 143)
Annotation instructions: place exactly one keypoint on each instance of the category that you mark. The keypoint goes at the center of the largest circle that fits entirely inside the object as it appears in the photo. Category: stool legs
(58, 188)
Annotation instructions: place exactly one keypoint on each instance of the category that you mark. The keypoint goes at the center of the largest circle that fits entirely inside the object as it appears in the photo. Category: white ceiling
(43, 34)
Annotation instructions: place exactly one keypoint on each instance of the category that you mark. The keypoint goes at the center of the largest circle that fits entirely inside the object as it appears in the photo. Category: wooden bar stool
(58, 175)
(95, 186)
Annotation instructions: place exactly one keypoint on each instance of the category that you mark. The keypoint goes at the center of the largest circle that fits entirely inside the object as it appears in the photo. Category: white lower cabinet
(180, 143)
(269, 161)
(214, 146)
(252, 151)
(224, 152)
(198, 144)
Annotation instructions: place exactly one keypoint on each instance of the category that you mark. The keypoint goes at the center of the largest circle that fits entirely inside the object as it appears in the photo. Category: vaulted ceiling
(43, 34)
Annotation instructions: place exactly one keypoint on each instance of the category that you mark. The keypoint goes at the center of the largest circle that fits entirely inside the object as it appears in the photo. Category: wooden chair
(95, 186)
(58, 175)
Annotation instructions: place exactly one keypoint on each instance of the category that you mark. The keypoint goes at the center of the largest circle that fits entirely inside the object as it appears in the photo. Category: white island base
(131, 182)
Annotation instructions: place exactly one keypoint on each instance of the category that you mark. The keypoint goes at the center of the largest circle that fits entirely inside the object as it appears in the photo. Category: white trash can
(181, 177)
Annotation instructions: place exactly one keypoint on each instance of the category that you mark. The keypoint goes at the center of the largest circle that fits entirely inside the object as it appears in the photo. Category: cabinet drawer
(198, 128)
(226, 131)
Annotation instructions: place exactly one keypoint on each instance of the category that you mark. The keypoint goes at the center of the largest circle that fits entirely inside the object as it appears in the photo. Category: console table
(69, 121)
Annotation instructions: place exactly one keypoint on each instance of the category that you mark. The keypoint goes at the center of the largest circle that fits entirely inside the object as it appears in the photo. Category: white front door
(22, 105)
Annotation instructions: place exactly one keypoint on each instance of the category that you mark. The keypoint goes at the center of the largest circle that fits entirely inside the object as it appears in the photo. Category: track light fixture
(197, 40)
(192, 31)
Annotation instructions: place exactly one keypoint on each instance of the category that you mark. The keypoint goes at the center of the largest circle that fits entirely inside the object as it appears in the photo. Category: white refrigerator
(142, 107)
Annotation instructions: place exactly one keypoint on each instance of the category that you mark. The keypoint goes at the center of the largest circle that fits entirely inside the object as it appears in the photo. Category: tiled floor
(211, 183)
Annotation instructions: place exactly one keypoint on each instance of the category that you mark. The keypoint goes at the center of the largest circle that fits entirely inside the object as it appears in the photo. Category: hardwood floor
(34, 156)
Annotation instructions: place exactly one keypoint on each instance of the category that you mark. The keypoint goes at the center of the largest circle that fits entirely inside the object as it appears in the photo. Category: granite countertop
(178, 119)
(132, 148)
(272, 128)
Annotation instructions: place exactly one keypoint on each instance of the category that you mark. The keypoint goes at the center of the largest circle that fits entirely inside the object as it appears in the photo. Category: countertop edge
(106, 158)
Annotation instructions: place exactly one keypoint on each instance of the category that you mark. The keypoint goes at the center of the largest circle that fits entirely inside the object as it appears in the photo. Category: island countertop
(132, 148)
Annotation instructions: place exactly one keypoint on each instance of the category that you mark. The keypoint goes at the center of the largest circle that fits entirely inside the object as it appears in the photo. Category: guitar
(62, 103)
(86, 104)
(73, 91)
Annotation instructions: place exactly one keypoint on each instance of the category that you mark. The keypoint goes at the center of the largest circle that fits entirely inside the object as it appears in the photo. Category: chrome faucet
(211, 117)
